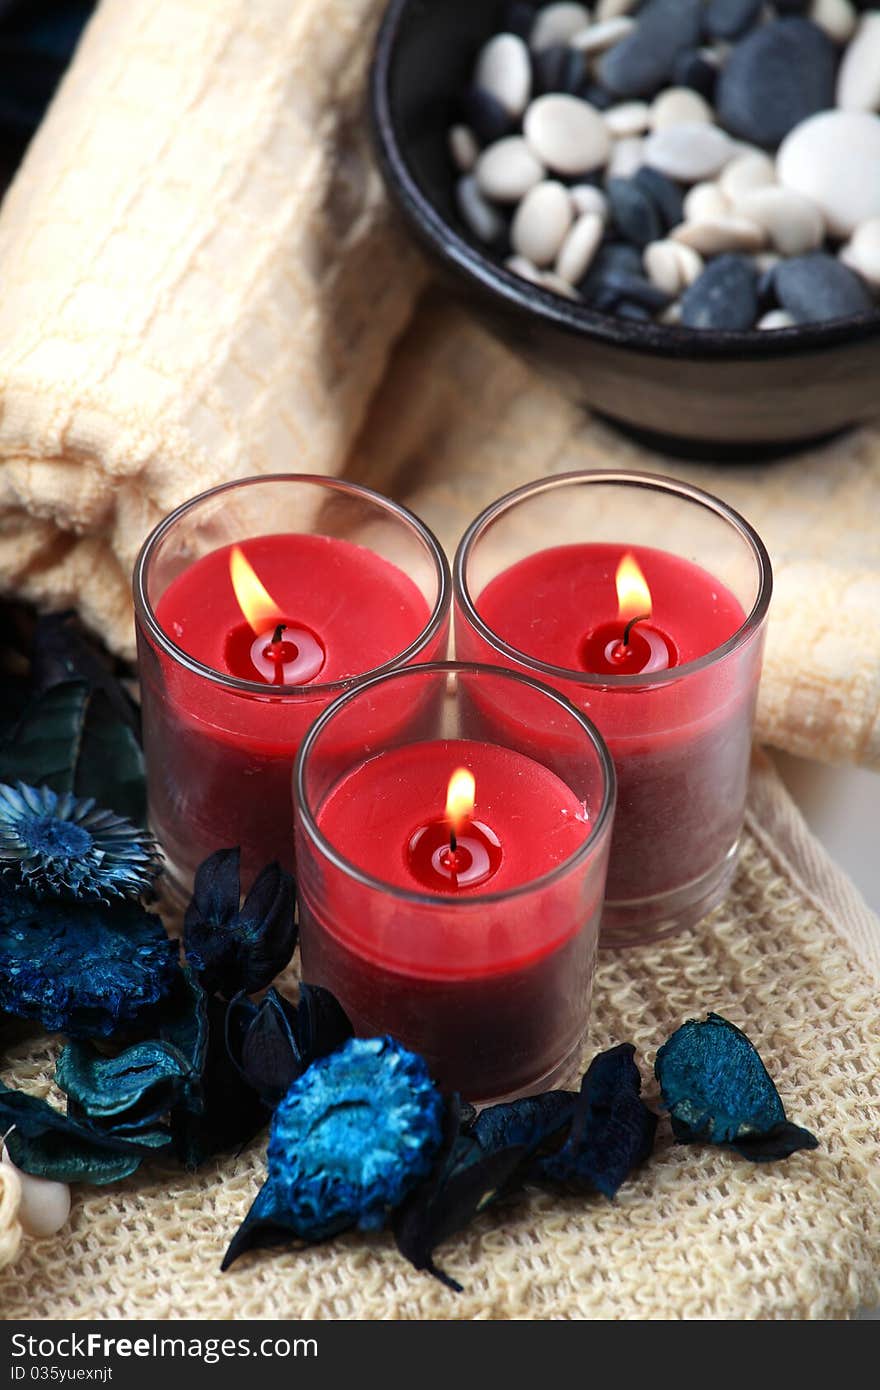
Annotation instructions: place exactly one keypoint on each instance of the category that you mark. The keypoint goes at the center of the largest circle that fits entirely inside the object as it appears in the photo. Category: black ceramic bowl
(719, 394)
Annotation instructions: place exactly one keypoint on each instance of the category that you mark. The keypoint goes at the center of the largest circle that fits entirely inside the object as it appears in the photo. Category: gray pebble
(611, 256)
(558, 69)
(729, 19)
(477, 211)
(487, 118)
(633, 212)
(724, 297)
(620, 285)
(664, 194)
(692, 69)
(642, 62)
(776, 77)
(818, 287)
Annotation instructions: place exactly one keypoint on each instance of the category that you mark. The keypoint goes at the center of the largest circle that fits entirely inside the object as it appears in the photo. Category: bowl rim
(524, 298)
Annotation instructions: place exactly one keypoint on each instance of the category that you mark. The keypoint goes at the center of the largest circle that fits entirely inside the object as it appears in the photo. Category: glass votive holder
(450, 886)
(643, 601)
(256, 604)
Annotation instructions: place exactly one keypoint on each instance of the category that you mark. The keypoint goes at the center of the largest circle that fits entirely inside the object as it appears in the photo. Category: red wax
(220, 761)
(493, 990)
(680, 746)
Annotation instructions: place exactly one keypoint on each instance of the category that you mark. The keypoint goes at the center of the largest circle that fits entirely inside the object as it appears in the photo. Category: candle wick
(276, 635)
(453, 842)
(640, 618)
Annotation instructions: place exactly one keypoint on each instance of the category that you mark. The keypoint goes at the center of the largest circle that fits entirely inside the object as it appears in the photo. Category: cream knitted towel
(200, 281)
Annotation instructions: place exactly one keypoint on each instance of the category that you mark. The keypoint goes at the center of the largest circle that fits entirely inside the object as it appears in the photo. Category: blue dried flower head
(352, 1137)
(61, 846)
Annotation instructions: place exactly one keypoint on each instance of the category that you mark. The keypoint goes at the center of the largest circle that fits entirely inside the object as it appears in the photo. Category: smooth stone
(692, 69)
(664, 194)
(837, 17)
(678, 106)
(598, 37)
(618, 285)
(777, 76)
(463, 147)
(586, 198)
(728, 19)
(642, 63)
(504, 69)
(671, 266)
(628, 118)
(541, 223)
(745, 172)
(635, 312)
(688, 152)
(596, 96)
(776, 318)
(558, 69)
(724, 297)
(551, 281)
(834, 158)
(518, 265)
(713, 236)
(568, 135)
(580, 246)
(44, 1206)
(858, 80)
(519, 18)
(633, 213)
(507, 170)
(610, 9)
(671, 315)
(557, 24)
(627, 156)
(862, 252)
(612, 256)
(705, 202)
(819, 287)
(483, 220)
(791, 7)
(487, 118)
(793, 223)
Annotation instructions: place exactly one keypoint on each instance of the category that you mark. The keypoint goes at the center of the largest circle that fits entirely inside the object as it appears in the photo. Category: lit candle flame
(460, 798)
(259, 608)
(633, 594)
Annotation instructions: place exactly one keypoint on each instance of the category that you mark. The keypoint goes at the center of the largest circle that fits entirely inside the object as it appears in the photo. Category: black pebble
(664, 194)
(642, 63)
(619, 286)
(611, 256)
(519, 18)
(729, 19)
(725, 296)
(818, 287)
(595, 95)
(783, 7)
(558, 69)
(633, 212)
(691, 69)
(487, 118)
(636, 312)
(774, 78)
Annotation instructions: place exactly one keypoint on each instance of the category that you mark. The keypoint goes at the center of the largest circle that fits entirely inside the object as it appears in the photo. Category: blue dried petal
(235, 948)
(354, 1134)
(61, 846)
(261, 1041)
(229, 1112)
(718, 1091)
(47, 1144)
(530, 1122)
(81, 968)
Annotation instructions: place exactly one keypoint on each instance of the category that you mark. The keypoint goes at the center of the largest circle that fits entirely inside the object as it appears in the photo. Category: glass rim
(600, 827)
(657, 483)
(145, 613)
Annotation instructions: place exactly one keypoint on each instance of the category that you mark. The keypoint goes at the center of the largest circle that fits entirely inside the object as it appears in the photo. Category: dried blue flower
(272, 1043)
(351, 1138)
(235, 948)
(81, 968)
(48, 1144)
(58, 846)
(718, 1091)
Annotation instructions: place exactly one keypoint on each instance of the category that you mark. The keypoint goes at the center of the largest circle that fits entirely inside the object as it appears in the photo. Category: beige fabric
(10, 1200)
(793, 957)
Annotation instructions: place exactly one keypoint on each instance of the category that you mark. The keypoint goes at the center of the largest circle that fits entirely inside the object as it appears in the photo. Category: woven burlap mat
(792, 957)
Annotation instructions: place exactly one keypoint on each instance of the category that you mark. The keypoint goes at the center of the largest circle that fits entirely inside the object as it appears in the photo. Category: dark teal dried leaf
(62, 651)
(230, 1113)
(84, 969)
(235, 948)
(533, 1122)
(718, 1091)
(322, 1025)
(47, 1144)
(261, 1041)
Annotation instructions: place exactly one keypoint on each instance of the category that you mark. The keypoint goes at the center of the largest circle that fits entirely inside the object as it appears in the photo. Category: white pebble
(858, 79)
(463, 147)
(678, 106)
(483, 220)
(541, 223)
(834, 158)
(554, 282)
(719, 234)
(690, 152)
(745, 172)
(776, 318)
(610, 9)
(794, 223)
(579, 247)
(627, 156)
(705, 201)
(629, 118)
(507, 170)
(524, 269)
(837, 17)
(586, 198)
(557, 24)
(671, 315)
(862, 252)
(671, 266)
(598, 37)
(504, 69)
(44, 1206)
(568, 135)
